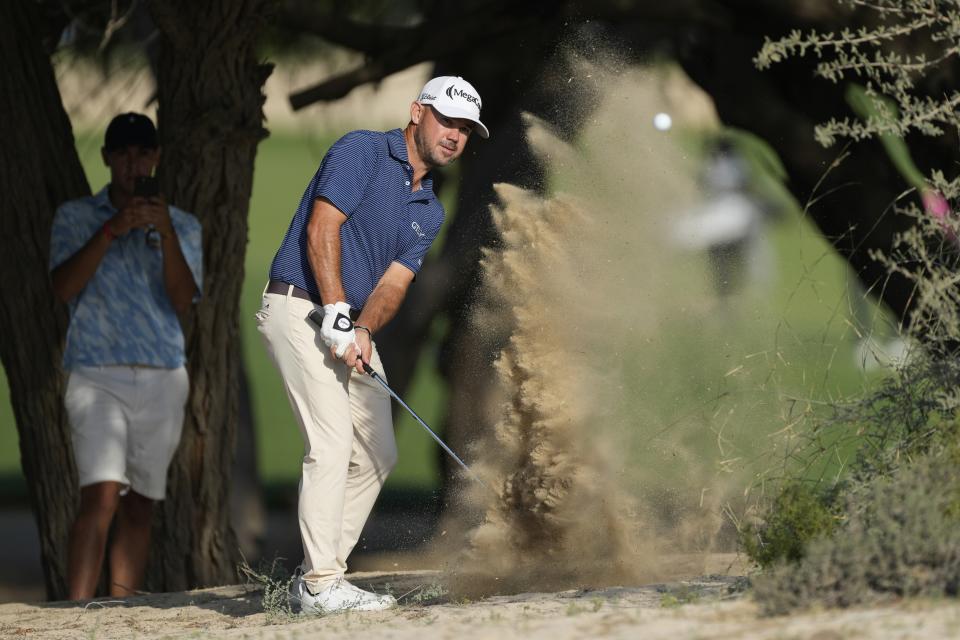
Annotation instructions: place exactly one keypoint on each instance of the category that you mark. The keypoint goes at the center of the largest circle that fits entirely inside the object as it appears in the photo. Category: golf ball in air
(662, 121)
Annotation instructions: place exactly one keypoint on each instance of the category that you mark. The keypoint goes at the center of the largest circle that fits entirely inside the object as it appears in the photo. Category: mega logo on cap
(453, 92)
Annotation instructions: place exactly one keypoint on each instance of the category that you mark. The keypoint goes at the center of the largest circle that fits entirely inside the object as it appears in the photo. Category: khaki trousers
(347, 429)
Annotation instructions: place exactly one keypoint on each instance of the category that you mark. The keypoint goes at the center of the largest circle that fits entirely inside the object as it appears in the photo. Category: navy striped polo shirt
(367, 176)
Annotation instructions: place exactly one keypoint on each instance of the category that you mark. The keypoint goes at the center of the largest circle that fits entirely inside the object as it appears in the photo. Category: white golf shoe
(339, 595)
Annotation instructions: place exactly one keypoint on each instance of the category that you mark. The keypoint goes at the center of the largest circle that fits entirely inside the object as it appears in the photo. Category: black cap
(130, 129)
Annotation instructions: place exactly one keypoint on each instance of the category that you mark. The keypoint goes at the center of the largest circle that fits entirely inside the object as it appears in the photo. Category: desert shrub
(897, 45)
(892, 526)
(896, 510)
(901, 537)
(800, 513)
(912, 416)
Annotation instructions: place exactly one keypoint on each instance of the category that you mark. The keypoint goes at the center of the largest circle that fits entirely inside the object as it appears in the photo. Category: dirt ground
(713, 606)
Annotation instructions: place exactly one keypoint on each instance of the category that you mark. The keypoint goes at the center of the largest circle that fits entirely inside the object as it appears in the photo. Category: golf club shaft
(317, 318)
(376, 376)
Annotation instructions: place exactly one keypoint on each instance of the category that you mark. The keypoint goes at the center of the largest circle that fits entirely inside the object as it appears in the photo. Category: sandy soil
(707, 607)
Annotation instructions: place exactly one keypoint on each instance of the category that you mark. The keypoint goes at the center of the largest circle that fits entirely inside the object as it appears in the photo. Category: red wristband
(107, 231)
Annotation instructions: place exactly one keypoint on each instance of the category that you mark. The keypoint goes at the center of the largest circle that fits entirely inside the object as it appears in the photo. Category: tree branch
(394, 48)
(341, 85)
(305, 17)
(410, 51)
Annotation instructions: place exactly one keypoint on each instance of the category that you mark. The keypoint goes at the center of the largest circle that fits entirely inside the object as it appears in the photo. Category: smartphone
(146, 186)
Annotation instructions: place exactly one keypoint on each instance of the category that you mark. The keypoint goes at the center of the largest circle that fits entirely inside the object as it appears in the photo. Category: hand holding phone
(146, 186)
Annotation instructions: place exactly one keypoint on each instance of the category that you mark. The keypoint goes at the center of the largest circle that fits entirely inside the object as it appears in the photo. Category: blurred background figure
(729, 225)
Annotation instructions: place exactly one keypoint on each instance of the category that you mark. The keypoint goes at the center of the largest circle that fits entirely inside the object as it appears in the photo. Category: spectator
(128, 264)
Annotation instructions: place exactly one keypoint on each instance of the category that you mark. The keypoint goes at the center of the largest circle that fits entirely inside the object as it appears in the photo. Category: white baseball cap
(454, 97)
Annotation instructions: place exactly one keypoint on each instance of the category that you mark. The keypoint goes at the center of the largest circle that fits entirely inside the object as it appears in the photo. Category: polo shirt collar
(397, 145)
(398, 149)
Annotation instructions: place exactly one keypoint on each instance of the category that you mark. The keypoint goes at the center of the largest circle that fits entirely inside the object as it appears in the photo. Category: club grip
(317, 318)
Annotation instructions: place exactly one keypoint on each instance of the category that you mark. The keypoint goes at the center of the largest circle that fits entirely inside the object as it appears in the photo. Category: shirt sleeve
(70, 231)
(346, 171)
(190, 235)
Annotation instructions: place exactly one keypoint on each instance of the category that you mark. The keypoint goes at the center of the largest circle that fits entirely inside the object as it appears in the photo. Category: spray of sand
(586, 286)
(558, 518)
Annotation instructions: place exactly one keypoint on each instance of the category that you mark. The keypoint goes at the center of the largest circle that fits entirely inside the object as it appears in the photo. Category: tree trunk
(39, 169)
(210, 122)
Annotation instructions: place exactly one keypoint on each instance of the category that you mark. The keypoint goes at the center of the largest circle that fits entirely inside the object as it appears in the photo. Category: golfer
(357, 239)
(128, 265)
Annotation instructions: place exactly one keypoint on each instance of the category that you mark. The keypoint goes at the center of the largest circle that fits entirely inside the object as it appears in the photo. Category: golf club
(317, 318)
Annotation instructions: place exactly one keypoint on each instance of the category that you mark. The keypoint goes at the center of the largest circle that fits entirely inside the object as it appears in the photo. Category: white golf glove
(337, 328)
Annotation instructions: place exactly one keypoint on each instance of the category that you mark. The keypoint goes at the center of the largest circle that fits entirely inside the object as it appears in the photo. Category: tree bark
(210, 122)
(39, 169)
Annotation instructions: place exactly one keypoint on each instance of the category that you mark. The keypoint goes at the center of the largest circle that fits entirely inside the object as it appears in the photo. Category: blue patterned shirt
(123, 315)
(367, 176)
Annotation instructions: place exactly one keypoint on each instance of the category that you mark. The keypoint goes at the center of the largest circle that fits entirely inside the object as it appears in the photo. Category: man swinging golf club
(357, 239)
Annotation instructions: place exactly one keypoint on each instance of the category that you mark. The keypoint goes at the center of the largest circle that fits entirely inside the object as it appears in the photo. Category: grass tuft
(275, 582)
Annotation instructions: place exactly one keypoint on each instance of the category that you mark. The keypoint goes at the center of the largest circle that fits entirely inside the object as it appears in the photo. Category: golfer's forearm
(72, 275)
(381, 306)
(323, 250)
(325, 263)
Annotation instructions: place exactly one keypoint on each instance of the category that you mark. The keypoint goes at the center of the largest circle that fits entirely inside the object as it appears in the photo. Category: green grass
(713, 390)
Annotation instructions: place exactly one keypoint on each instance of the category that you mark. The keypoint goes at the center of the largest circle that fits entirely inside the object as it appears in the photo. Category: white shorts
(126, 424)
